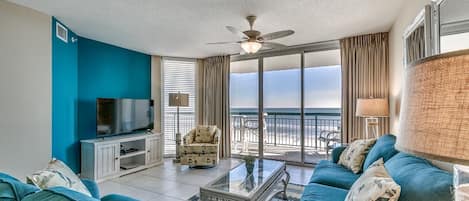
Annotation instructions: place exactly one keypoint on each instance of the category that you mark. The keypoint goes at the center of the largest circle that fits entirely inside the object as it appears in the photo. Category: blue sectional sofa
(418, 178)
(12, 189)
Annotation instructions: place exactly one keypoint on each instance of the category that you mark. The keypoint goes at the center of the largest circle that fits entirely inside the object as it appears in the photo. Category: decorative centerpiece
(249, 161)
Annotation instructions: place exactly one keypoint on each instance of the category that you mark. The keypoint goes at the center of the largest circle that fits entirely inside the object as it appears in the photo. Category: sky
(282, 88)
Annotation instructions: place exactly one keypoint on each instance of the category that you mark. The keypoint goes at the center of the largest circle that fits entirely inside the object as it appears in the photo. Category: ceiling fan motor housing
(252, 34)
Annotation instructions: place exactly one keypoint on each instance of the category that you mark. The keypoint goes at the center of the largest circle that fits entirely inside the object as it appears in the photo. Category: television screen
(123, 116)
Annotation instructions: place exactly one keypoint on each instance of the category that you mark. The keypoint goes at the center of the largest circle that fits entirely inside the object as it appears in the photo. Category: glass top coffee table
(244, 183)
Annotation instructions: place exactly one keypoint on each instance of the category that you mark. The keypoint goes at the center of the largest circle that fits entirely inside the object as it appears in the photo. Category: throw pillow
(57, 174)
(374, 184)
(204, 134)
(354, 155)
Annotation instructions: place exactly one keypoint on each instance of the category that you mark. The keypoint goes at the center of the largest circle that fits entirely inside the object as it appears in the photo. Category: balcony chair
(331, 139)
(200, 147)
(252, 126)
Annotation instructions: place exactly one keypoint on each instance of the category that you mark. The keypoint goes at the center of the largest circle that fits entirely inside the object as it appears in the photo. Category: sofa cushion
(76, 183)
(204, 134)
(332, 174)
(13, 189)
(319, 192)
(92, 187)
(383, 148)
(57, 174)
(336, 152)
(419, 179)
(6, 192)
(59, 194)
(354, 155)
(374, 184)
(116, 197)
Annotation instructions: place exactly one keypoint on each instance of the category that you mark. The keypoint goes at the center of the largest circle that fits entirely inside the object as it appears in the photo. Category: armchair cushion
(202, 148)
(190, 137)
(204, 134)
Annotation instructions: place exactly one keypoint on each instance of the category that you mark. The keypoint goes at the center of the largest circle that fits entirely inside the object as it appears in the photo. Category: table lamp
(434, 119)
(372, 108)
(178, 100)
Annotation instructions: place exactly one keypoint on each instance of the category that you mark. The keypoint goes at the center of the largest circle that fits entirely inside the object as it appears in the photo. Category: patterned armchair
(200, 146)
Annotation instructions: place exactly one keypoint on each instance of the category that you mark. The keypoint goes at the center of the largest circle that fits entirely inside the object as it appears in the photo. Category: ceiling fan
(252, 40)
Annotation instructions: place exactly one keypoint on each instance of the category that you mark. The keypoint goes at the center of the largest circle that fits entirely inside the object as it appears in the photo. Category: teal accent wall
(65, 140)
(81, 72)
(107, 71)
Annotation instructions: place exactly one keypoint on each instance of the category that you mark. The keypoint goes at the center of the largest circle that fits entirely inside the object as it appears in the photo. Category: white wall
(409, 11)
(25, 90)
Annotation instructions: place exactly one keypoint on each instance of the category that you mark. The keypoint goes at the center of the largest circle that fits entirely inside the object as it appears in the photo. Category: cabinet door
(107, 159)
(154, 150)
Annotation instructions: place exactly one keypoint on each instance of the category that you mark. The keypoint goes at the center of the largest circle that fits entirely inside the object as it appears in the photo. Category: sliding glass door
(286, 107)
(244, 80)
(282, 106)
(322, 98)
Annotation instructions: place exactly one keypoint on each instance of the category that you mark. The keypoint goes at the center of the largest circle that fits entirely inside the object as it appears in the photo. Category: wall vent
(61, 32)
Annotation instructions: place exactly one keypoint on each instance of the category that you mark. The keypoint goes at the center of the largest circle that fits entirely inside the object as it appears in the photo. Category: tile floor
(173, 182)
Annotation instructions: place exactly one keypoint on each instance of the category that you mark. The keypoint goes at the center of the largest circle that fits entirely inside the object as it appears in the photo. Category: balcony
(282, 134)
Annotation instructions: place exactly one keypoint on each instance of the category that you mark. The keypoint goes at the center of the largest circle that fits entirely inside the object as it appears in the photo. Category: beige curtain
(213, 98)
(415, 45)
(365, 70)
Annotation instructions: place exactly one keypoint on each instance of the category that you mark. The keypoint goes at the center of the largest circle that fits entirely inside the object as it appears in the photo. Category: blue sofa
(12, 189)
(418, 178)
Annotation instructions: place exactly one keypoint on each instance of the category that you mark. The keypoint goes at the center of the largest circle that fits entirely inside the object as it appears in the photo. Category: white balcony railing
(281, 129)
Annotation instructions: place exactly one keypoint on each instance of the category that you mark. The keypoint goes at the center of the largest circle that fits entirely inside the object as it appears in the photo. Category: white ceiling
(182, 27)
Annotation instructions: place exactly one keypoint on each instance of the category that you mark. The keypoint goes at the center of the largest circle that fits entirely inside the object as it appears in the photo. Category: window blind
(178, 76)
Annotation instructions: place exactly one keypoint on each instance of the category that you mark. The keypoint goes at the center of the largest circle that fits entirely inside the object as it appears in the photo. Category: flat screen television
(123, 116)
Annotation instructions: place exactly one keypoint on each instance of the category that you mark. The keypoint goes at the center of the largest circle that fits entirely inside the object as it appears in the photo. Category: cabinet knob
(117, 158)
(148, 151)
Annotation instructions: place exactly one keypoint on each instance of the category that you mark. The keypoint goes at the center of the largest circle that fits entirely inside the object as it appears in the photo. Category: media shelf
(112, 157)
(132, 154)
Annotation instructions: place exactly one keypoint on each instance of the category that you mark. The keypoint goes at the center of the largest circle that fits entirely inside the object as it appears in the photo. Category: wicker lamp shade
(372, 107)
(178, 100)
(434, 119)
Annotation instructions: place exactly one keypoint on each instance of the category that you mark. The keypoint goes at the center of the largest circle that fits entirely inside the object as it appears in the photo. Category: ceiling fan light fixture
(251, 47)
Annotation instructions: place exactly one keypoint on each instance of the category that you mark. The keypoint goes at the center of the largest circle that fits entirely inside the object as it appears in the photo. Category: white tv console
(101, 158)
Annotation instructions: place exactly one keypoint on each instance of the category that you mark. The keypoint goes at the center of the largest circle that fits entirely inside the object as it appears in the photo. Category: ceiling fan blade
(237, 32)
(278, 34)
(222, 43)
(272, 45)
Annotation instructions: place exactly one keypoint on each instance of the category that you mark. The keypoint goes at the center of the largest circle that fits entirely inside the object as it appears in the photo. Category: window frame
(298, 49)
(164, 102)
